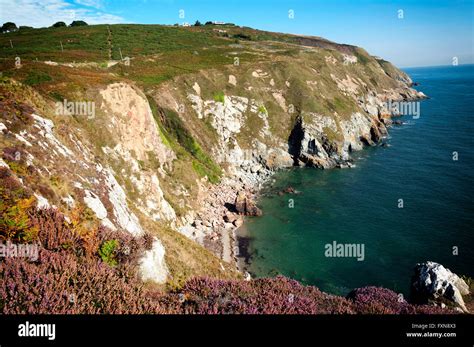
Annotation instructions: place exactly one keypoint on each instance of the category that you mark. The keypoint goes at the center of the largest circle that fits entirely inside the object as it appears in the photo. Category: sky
(405, 32)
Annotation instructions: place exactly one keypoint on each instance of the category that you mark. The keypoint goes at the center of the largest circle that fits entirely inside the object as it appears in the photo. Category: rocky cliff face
(311, 111)
(179, 153)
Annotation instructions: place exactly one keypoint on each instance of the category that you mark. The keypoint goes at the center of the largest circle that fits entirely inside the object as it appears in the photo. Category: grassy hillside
(157, 53)
(235, 72)
(169, 60)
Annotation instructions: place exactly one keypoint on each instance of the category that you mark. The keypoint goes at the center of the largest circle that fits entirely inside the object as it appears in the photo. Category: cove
(427, 164)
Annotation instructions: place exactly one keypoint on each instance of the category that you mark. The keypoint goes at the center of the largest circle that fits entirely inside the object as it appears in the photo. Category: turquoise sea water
(360, 205)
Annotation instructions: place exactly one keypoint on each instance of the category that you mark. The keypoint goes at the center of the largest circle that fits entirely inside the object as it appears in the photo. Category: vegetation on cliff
(177, 111)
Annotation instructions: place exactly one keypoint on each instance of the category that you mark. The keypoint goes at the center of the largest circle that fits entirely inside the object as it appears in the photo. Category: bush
(78, 23)
(59, 25)
(37, 77)
(54, 233)
(16, 203)
(219, 97)
(278, 295)
(16, 114)
(8, 27)
(262, 109)
(61, 283)
(67, 280)
(174, 127)
(242, 36)
(107, 250)
(376, 300)
(281, 295)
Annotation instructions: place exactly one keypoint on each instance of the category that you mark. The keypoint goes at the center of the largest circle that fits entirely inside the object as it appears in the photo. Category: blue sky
(430, 32)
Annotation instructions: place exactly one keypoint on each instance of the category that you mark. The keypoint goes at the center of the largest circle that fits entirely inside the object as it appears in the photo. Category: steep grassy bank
(184, 119)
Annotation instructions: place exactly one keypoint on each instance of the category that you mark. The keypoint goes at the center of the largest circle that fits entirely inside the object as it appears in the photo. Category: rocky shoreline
(225, 205)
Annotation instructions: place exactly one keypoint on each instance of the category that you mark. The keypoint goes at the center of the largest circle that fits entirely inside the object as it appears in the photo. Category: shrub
(281, 295)
(106, 252)
(78, 23)
(278, 295)
(54, 233)
(175, 128)
(67, 280)
(8, 27)
(219, 97)
(59, 25)
(15, 204)
(37, 77)
(376, 300)
(15, 223)
(61, 283)
(242, 36)
(16, 114)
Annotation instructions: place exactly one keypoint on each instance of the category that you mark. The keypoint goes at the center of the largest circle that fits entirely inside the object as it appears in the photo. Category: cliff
(158, 144)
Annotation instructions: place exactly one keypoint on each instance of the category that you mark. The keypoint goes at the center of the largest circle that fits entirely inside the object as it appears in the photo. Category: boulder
(375, 134)
(238, 222)
(432, 282)
(246, 206)
(152, 264)
(240, 202)
(229, 217)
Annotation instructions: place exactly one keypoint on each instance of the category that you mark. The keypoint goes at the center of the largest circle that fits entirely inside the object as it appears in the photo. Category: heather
(95, 272)
(86, 268)
(70, 276)
(281, 295)
(61, 283)
(376, 300)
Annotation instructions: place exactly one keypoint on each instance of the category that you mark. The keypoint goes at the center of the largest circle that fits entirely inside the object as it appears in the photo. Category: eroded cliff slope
(170, 135)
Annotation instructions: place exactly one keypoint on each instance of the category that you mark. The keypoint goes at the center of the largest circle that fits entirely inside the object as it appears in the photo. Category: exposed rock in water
(432, 282)
(288, 190)
(246, 206)
(375, 134)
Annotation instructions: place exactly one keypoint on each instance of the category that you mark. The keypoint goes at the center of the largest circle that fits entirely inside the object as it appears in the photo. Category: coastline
(240, 236)
(215, 225)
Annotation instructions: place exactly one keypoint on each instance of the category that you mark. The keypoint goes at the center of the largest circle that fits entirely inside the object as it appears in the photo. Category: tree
(8, 27)
(209, 23)
(59, 24)
(78, 23)
(197, 24)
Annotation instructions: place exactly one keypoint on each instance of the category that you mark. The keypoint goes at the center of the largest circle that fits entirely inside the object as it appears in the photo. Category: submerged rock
(433, 282)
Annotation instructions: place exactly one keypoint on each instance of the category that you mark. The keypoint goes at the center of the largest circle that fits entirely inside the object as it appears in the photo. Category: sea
(406, 202)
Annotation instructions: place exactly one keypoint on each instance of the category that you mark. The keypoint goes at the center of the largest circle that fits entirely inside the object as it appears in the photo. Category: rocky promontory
(433, 283)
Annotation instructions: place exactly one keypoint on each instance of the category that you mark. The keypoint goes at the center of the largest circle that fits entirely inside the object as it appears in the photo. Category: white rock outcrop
(432, 281)
(152, 264)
